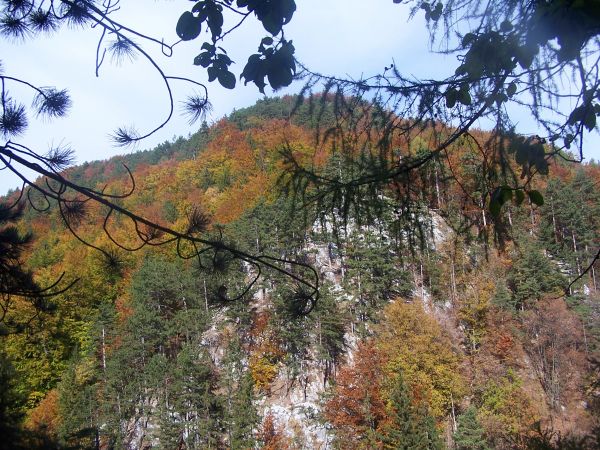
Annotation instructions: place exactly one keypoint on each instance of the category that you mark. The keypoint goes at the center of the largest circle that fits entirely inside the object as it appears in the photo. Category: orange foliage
(503, 345)
(357, 408)
(44, 419)
(229, 148)
(240, 198)
(271, 435)
(266, 353)
(500, 340)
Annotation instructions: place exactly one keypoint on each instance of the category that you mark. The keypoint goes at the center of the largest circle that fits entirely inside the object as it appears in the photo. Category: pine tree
(329, 325)
(469, 434)
(373, 273)
(292, 326)
(77, 405)
(158, 375)
(401, 432)
(245, 417)
(10, 415)
(409, 427)
(532, 275)
(192, 406)
(240, 415)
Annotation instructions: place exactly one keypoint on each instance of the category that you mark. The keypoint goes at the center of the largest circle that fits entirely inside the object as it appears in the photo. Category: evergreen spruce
(410, 427)
(502, 297)
(10, 416)
(245, 418)
(373, 273)
(532, 275)
(240, 417)
(469, 434)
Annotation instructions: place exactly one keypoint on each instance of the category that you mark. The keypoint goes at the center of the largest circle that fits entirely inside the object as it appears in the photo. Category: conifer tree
(292, 326)
(502, 297)
(77, 405)
(329, 325)
(245, 418)
(10, 415)
(532, 275)
(191, 409)
(158, 376)
(570, 221)
(409, 427)
(240, 416)
(469, 434)
(374, 274)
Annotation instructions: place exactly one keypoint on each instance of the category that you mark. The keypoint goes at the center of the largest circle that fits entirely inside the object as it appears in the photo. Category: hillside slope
(438, 323)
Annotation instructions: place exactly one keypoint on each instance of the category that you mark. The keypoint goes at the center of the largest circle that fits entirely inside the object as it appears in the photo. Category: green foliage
(292, 327)
(275, 60)
(504, 406)
(409, 426)
(329, 322)
(240, 417)
(245, 419)
(157, 371)
(532, 275)
(502, 298)
(191, 403)
(10, 413)
(79, 425)
(39, 359)
(374, 273)
(469, 433)
(570, 220)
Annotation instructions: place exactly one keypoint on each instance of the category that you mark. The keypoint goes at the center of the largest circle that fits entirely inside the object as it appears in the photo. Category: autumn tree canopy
(510, 56)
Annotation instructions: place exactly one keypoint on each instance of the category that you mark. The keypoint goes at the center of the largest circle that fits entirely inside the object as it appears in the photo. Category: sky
(339, 37)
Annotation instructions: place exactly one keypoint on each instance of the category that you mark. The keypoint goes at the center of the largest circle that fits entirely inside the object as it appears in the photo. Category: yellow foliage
(474, 307)
(506, 407)
(415, 345)
(263, 371)
(44, 418)
(266, 354)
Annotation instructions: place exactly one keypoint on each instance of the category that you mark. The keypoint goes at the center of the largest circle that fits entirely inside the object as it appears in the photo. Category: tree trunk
(205, 296)
(437, 189)
(103, 350)
(575, 253)
(554, 220)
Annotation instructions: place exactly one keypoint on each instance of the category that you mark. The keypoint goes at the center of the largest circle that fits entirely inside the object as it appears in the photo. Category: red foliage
(357, 408)
(271, 435)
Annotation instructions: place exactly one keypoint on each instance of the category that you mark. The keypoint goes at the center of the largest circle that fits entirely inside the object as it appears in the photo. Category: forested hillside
(443, 321)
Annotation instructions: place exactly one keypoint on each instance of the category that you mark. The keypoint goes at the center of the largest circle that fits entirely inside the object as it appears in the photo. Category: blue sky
(342, 37)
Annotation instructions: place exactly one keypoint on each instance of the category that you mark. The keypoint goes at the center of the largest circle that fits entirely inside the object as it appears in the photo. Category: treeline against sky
(439, 322)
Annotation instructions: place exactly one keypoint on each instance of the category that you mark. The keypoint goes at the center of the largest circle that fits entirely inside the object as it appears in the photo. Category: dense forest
(440, 323)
